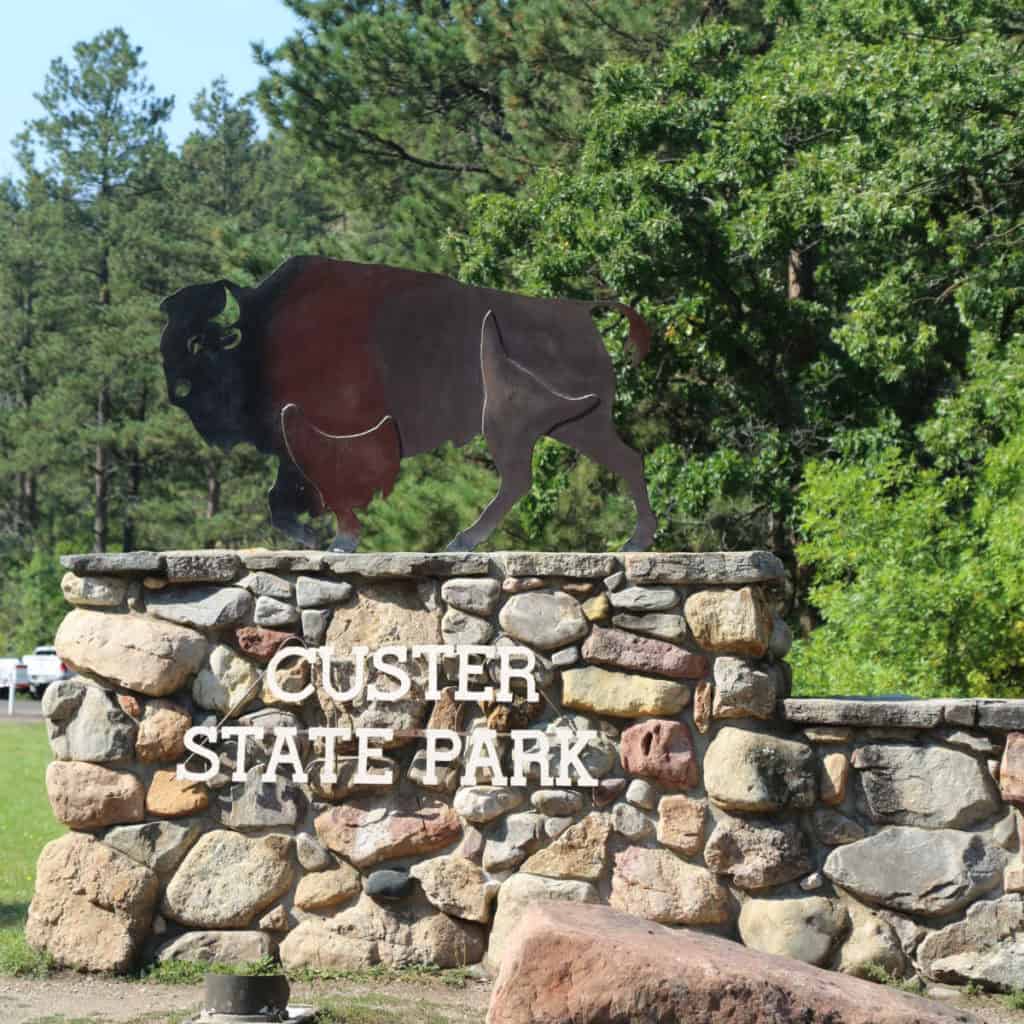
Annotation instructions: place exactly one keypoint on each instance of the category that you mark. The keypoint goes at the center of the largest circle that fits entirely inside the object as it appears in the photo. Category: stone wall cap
(703, 567)
(901, 712)
(735, 568)
(130, 563)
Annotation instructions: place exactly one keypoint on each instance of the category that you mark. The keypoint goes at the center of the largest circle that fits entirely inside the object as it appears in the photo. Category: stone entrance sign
(838, 832)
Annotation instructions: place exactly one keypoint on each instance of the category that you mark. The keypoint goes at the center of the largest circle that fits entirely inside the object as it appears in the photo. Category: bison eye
(182, 388)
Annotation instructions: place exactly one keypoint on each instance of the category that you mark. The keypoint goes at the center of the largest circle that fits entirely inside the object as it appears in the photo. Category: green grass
(881, 976)
(1015, 1000)
(26, 826)
(375, 1010)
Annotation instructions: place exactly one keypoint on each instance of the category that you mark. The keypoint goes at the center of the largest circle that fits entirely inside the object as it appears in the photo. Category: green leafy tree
(820, 223)
(414, 108)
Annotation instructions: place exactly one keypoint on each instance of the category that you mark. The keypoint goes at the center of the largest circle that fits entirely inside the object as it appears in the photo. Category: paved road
(25, 710)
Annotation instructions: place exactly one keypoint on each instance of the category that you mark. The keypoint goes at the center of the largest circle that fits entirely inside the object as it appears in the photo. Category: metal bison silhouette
(342, 369)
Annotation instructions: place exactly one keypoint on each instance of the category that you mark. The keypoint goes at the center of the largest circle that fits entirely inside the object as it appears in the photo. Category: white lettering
(192, 736)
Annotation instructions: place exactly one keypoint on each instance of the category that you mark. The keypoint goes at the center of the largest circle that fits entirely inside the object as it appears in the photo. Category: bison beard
(342, 369)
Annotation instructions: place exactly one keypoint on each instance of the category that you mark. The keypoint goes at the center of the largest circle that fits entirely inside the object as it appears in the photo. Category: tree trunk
(212, 493)
(802, 264)
(134, 486)
(101, 468)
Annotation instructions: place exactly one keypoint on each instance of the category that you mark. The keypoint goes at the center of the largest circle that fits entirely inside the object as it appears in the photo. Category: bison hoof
(639, 542)
(460, 543)
(303, 535)
(346, 542)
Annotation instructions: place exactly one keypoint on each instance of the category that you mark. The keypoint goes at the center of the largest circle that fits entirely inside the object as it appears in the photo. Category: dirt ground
(68, 997)
(80, 997)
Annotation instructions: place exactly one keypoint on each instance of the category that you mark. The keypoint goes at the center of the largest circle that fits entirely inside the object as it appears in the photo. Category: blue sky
(186, 44)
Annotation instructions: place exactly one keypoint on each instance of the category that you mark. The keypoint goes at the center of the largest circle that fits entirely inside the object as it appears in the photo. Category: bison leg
(518, 408)
(513, 457)
(595, 436)
(289, 497)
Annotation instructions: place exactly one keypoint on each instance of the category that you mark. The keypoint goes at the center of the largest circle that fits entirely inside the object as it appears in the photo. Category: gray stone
(201, 607)
(813, 882)
(745, 689)
(554, 827)
(522, 891)
(573, 564)
(473, 596)
(544, 619)
(903, 714)
(511, 841)
(756, 855)
(226, 880)
(212, 566)
(704, 567)
(671, 628)
(759, 772)
(84, 723)
(939, 870)
(1000, 715)
(408, 565)
(641, 793)
(254, 804)
(480, 804)
(971, 742)
(270, 720)
(460, 628)
(614, 581)
(543, 670)
(932, 787)
(311, 854)
(266, 584)
(644, 599)
(566, 657)
(986, 948)
(94, 591)
(632, 823)
(260, 559)
(132, 563)
(781, 639)
(599, 754)
(314, 624)
(274, 614)
(217, 947)
(557, 802)
(159, 845)
(835, 829)
(803, 929)
(314, 593)
(387, 884)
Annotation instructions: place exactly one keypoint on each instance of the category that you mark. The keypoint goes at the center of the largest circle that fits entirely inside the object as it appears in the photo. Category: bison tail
(639, 332)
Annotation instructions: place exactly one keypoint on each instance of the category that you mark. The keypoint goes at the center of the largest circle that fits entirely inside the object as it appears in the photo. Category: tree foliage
(817, 207)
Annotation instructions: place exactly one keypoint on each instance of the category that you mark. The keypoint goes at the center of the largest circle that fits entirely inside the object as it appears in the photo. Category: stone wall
(841, 832)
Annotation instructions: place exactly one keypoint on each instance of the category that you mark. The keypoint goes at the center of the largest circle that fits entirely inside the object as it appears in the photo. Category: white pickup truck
(13, 672)
(44, 667)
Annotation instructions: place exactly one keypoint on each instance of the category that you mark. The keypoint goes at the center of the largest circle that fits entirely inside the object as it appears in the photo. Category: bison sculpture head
(206, 362)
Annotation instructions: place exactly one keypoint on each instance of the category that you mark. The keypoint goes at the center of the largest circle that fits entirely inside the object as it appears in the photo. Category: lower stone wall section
(849, 834)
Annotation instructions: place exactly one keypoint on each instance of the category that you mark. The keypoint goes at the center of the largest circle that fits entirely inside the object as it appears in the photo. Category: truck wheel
(36, 692)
